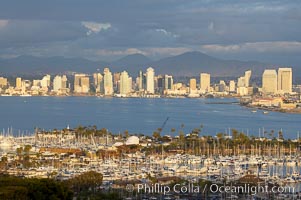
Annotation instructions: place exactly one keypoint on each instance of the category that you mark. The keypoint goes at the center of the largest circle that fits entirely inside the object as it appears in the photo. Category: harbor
(124, 158)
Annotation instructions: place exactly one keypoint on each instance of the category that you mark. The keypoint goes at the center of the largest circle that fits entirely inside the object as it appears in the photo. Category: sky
(268, 31)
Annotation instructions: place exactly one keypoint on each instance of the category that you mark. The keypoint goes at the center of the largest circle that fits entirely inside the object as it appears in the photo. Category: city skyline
(148, 83)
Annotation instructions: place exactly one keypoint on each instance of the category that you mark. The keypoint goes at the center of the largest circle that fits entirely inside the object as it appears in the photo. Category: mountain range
(186, 64)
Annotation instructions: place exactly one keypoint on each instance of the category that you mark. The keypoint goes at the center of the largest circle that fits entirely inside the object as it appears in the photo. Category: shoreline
(279, 110)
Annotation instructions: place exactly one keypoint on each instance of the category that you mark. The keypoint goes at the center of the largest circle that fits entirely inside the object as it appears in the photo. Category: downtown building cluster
(148, 84)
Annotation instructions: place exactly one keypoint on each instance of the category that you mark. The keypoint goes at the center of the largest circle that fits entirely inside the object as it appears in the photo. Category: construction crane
(163, 125)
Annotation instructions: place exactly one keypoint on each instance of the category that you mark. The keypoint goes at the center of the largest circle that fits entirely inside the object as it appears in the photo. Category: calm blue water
(140, 115)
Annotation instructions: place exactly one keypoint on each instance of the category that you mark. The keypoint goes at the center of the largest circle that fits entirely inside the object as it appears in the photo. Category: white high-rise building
(150, 80)
(57, 83)
(81, 83)
(205, 82)
(60, 84)
(232, 87)
(98, 82)
(247, 78)
(125, 83)
(107, 82)
(45, 82)
(18, 82)
(285, 80)
(269, 81)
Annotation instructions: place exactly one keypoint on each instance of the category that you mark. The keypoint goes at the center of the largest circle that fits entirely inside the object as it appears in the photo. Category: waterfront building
(57, 83)
(36, 83)
(108, 82)
(285, 80)
(168, 82)
(243, 83)
(19, 82)
(205, 82)
(116, 81)
(269, 81)
(3, 82)
(81, 83)
(192, 85)
(232, 86)
(45, 82)
(141, 81)
(98, 82)
(222, 86)
(247, 78)
(125, 83)
(150, 80)
(60, 84)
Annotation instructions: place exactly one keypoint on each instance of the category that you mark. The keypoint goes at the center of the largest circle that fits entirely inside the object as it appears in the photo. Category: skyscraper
(205, 82)
(107, 82)
(247, 78)
(81, 83)
(85, 84)
(45, 82)
(285, 80)
(125, 83)
(232, 86)
(269, 81)
(168, 82)
(18, 82)
(140, 81)
(150, 80)
(3, 82)
(192, 85)
(98, 82)
(57, 83)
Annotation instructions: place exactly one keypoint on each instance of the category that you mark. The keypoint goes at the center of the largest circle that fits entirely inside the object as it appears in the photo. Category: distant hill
(187, 64)
(192, 63)
(52, 65)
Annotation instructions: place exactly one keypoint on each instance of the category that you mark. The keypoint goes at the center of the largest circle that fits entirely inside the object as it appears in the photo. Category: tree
(156, 135)
(86, 181)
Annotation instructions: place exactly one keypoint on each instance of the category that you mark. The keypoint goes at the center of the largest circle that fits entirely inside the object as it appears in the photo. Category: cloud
(94, 27)
(259, 47)
(106, 52)
(153, 52)
(3, 23)
(167, 33)
(211, 26)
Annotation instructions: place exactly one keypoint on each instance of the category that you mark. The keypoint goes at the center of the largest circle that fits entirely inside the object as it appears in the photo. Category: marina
(67, 153)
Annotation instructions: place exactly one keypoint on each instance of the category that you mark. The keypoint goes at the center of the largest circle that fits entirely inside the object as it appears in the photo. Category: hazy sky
(103, 30)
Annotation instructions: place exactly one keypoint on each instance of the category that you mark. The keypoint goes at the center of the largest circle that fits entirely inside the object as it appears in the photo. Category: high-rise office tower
(57, 83)
(168, 82)
(64, 82)
(140, 81)
(45, 82)
(232, 87)
(269, 81)
(85, 84)
(247, 78)
(18, 82)
(205, 82)
(150, 80)
(98, 82)
(125, 83)
(107, 82)
(192, 85)
(81, 83)
(285, 80)
(3, 82)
